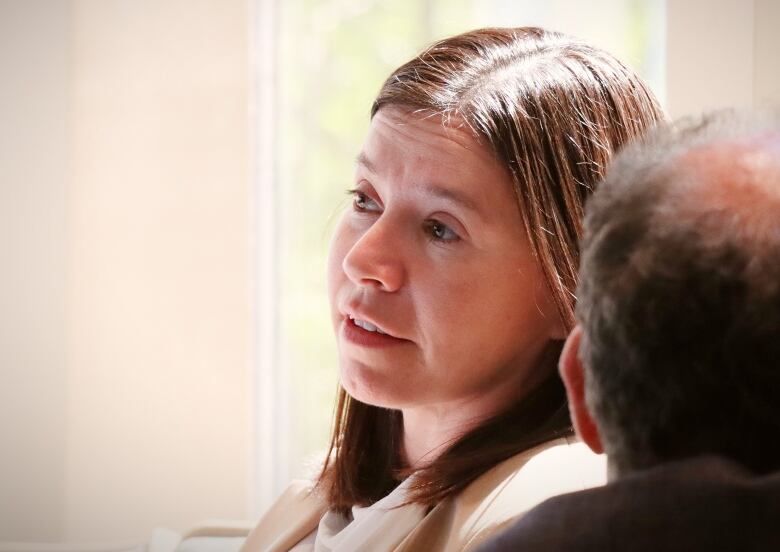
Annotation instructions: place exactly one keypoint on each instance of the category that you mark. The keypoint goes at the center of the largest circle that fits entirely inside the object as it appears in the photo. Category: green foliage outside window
(333, 56)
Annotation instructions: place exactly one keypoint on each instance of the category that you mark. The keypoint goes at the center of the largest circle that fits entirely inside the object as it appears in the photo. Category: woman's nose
(375, 260)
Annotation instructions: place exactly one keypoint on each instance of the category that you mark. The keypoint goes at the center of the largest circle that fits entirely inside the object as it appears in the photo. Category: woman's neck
(426, 434)
(430, 429)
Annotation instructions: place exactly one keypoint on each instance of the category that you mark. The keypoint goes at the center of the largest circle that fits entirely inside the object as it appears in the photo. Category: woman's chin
(374, 388)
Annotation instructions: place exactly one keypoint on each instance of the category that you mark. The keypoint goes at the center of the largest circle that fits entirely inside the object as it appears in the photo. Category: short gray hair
(679, 295)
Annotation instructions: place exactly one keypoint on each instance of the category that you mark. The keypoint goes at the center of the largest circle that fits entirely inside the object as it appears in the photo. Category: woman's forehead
(406, 153)
(425, 137)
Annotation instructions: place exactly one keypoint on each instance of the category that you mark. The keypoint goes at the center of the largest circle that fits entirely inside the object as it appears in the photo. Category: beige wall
(34, 106)
(766, 79)
(126, 377)
(721, 53)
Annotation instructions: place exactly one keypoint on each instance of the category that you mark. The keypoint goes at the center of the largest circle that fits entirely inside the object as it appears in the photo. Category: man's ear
(573, 376)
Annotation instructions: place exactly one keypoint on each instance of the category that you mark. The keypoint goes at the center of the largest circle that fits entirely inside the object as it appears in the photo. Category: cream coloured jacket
(490, 503)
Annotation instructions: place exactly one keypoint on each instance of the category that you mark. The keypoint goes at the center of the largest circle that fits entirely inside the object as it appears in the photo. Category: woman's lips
(357, 335)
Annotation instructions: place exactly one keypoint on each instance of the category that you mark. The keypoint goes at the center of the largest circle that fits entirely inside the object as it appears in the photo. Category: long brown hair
(554, 110)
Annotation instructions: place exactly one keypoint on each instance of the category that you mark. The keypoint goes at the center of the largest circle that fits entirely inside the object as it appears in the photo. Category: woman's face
(435, 295)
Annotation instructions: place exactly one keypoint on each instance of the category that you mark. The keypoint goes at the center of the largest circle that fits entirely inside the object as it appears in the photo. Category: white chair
(209, 536)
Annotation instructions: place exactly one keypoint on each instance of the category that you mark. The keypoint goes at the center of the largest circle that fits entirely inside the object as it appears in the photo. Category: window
(329, 58)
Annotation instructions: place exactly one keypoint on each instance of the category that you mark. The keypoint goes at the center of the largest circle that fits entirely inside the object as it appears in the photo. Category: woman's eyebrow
(433, 190)
(451, 195)
(362, 159)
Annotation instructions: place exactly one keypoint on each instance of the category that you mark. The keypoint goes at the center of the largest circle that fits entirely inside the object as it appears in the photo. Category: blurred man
(674, 368)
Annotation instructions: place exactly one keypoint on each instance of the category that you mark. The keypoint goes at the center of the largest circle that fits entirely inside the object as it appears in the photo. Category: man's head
(677, 352)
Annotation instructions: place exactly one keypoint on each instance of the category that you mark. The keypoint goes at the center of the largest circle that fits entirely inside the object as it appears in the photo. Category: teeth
(366, 325)
(369, 327)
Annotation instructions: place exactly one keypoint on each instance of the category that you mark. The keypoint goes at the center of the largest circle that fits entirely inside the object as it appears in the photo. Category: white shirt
(381, 526)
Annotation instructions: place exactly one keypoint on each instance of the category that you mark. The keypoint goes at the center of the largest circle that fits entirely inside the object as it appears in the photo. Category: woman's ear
(557, 329)
(573, 376)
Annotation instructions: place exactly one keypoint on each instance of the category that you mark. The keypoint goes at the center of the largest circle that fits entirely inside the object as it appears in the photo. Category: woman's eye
(439, 231)
(363, 203)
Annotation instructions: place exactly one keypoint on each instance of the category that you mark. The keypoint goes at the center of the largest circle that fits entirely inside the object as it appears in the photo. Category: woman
(451, 282)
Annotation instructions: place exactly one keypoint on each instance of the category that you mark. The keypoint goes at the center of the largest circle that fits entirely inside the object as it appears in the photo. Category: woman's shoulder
(291, 517)
(526, 479)
(508, 490)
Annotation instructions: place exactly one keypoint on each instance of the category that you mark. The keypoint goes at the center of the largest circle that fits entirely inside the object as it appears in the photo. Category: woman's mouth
(368, 326)
(366, 334)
